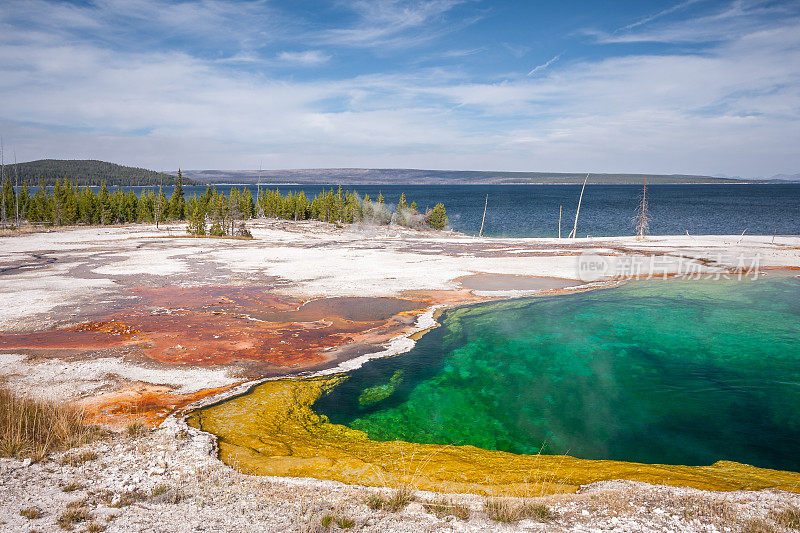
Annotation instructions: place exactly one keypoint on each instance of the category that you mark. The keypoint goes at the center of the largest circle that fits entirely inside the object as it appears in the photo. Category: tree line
(210, 213)
(339, 206)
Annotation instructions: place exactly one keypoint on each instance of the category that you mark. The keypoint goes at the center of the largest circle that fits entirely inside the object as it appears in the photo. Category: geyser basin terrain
(681, 372)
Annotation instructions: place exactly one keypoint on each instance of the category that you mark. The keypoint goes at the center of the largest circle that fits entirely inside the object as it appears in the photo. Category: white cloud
(308, 57)
(392, 23)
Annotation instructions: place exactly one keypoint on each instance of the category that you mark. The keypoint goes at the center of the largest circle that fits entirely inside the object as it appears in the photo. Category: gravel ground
(169, 480)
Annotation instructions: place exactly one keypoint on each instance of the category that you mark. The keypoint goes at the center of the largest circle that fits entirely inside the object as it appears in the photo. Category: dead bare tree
(485, 205)
(2, 186)
(573, 233)
(642, 218)
(259, 207)
(16, 191)
(741, 236)
(559, 221)
(157, 207)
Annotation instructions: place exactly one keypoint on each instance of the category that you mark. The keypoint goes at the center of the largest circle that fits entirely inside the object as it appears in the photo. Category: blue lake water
(607, 210)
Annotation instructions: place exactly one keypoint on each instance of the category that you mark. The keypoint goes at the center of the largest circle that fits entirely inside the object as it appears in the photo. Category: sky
(692, 86)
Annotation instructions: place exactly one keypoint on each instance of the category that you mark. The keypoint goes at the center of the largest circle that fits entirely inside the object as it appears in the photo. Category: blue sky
(690, 86)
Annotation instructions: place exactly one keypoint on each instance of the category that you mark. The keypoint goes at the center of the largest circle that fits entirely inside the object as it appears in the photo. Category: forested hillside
(86, 172)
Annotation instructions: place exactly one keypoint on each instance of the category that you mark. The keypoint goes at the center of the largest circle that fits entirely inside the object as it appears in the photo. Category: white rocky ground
(169, 481)
(64, 277)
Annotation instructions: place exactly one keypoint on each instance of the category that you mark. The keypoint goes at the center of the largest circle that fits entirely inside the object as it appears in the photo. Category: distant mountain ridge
(364, 176)
(786, 177)
(87, 172)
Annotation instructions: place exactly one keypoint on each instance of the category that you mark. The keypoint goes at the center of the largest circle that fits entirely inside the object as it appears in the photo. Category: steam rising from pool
(676, 372)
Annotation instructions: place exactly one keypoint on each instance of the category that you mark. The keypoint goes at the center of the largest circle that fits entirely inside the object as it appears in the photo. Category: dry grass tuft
(789, 517)
(401, 497)
(398, 500)
(71, 487)
(342, 521)
(705, 510)
(164, 494)
(442, 507)
(33, 428)
(31, 513)
(77, 459)
(129, 498)
(375, 501)
(76, 504)
(759, 525)
(135, 428)
(72, 516)
(507, 510)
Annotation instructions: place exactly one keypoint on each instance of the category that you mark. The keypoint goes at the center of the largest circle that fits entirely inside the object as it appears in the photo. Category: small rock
(26, 462)
(415, 507)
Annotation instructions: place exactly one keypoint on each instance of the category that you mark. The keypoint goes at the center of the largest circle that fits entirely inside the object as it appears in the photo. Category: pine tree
(437, 218)
(104, 212)
(402, 204)
(177, 203)
(382, 215)
(159, 206)
(197, 222)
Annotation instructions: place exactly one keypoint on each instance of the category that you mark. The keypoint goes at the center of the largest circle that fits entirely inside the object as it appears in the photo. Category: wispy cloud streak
(544, 65)
(654, 16)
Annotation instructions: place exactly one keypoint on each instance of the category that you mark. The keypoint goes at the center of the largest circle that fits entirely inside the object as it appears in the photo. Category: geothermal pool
(680, 372)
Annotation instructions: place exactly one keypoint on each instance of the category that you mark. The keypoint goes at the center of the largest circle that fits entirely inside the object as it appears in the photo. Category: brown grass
(789, 517)
(73, 515)
(398, 500)
(33, 428)
(442, 507)
(31, 513)
(759, 525)
(135, 428)
(77, 459)
(706, 510)
(129, 498)
(507, 510)
(165, 494)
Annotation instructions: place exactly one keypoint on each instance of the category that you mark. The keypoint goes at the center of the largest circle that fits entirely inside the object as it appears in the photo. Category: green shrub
(437, 217)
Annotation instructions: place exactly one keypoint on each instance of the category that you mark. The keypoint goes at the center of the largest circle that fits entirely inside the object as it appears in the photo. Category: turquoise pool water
(677, 372)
